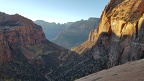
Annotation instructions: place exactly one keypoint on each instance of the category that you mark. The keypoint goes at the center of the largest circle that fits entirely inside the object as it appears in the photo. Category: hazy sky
(54, 10)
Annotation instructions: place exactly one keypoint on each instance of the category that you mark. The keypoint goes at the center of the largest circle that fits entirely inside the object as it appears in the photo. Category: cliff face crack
(122, 28)
(136, 27)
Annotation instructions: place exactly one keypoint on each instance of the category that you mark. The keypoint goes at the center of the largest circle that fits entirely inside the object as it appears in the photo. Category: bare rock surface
(131, 71)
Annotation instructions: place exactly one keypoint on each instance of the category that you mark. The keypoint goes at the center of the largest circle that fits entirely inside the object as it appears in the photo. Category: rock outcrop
(121, 31)
(131, 71)
(18, 32)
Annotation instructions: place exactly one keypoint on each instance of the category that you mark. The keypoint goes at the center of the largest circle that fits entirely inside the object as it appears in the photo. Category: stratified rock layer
(18, 32)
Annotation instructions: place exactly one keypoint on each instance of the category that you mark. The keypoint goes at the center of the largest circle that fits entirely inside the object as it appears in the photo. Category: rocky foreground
(131, 71)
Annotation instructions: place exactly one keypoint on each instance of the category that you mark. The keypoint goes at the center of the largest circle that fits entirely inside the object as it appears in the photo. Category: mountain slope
(76, 34)
(131, 71)
(25, 53)
(51, 30)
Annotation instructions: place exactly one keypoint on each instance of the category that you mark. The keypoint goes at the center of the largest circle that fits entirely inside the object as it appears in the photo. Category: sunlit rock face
(122, 18)
(120, 31)
(119, 34)
(124, 26)
(123, 22)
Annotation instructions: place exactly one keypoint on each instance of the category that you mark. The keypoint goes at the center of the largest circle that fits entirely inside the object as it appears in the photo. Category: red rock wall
(18, 32)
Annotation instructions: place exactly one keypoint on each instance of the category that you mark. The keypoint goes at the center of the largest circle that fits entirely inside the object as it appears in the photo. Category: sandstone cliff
(18, 32)
(120, 18)
(121, 31)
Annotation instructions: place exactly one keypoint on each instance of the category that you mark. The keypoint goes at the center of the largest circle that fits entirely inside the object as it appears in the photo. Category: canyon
(26, 54)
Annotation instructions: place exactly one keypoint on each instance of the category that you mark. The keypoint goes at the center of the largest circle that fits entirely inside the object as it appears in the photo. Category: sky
(59, 11)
